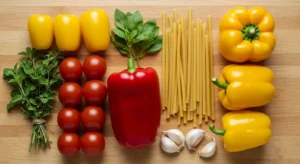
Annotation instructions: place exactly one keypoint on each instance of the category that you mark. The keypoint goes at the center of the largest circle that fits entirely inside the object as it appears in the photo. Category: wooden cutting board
(284, 146)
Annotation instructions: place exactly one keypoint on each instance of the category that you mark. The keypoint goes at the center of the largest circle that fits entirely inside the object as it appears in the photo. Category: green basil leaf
(123, 51)
(156, 45)
(120, 19)
(128, 14)
(117, 44)
(43, 81)
(134, 20)
(139, 38)
(44, 100)
(13, 81)
(8, 72)
(16, 67)
(28, 70)
(119, 33)
(146, 44)
(24, 54)
(133, 34)
(15, 100)
(15, 92)
(31, 108)
(32, 101)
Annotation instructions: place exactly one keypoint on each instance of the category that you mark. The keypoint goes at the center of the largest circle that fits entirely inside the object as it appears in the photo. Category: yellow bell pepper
(40, 28)
(95, 30)
(245, 86)
(67, 32)
(244, 130)
(247, 34)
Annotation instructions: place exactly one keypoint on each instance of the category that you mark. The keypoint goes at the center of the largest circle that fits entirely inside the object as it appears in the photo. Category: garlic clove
(194, 137)
(176, 136)
(168, 145)
(209, 149)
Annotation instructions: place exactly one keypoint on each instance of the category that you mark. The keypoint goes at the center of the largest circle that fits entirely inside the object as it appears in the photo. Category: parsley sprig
(134, 38)
(35, 80)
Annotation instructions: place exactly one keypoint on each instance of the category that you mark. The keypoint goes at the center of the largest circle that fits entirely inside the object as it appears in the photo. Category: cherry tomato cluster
(92, 117)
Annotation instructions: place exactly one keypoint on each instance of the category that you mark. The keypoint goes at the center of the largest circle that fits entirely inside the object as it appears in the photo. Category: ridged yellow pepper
(40, 28)
(247, 34)
(95, 30)
(245, 86)
(244, 130)
(67, 32)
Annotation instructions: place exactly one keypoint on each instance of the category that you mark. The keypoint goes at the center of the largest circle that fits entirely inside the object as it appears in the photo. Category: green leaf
(134, 20)
(13, 81)
(146, 44)
(43, 81)
(118, 33)
(139, 38)
(15, 100)
(128, 14)
(32, 101)
(120, 19)
(149, 28)
(31, 108)
(15, 92)
(119, 42)
(8, 72)
(133, 34)
(123, 51)
(156, 46)
(44, 100)
(28, 70)
(16, 67)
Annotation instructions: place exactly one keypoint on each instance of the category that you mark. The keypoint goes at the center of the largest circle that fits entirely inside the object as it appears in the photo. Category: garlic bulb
(194, 137)
(209, 149)
(172, 141)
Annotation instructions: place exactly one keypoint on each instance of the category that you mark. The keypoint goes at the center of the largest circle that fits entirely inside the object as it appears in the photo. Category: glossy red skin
(94, 92)
(70, 94)
(70, 69)
(93, 118)
(94, 67)
(68, 144)
(135, 107)
(92, 143)
(68, 119)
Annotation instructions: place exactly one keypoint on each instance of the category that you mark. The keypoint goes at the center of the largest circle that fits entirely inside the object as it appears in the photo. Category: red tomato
(70, 69)
(68, 144)
(94, 92)
(92, 143)
(68, 119)
(93, 118)
(94, 67)
(70, 94)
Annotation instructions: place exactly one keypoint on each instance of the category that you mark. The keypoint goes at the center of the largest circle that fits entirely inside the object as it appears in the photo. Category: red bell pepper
(135, 105)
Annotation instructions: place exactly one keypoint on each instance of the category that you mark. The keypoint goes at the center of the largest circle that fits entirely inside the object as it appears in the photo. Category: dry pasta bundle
(187, 67)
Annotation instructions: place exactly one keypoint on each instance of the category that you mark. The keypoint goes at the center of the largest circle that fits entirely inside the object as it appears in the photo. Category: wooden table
(284, 146)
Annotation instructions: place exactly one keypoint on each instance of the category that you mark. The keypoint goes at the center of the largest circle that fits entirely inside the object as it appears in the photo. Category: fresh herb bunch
(35, 80)
(134, 38)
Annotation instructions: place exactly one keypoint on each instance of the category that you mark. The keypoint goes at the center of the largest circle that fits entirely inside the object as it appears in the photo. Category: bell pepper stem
(214, 130)
(219, 84)
(130, 65)
(250, 32)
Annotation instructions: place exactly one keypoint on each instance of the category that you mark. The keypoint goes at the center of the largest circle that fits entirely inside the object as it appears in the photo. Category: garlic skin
(168, 145)
(176, 136)
(172, 141)
(194, 137)
(209, 149)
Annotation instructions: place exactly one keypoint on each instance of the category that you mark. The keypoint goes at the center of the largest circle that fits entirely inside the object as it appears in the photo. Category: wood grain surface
(284, 146)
